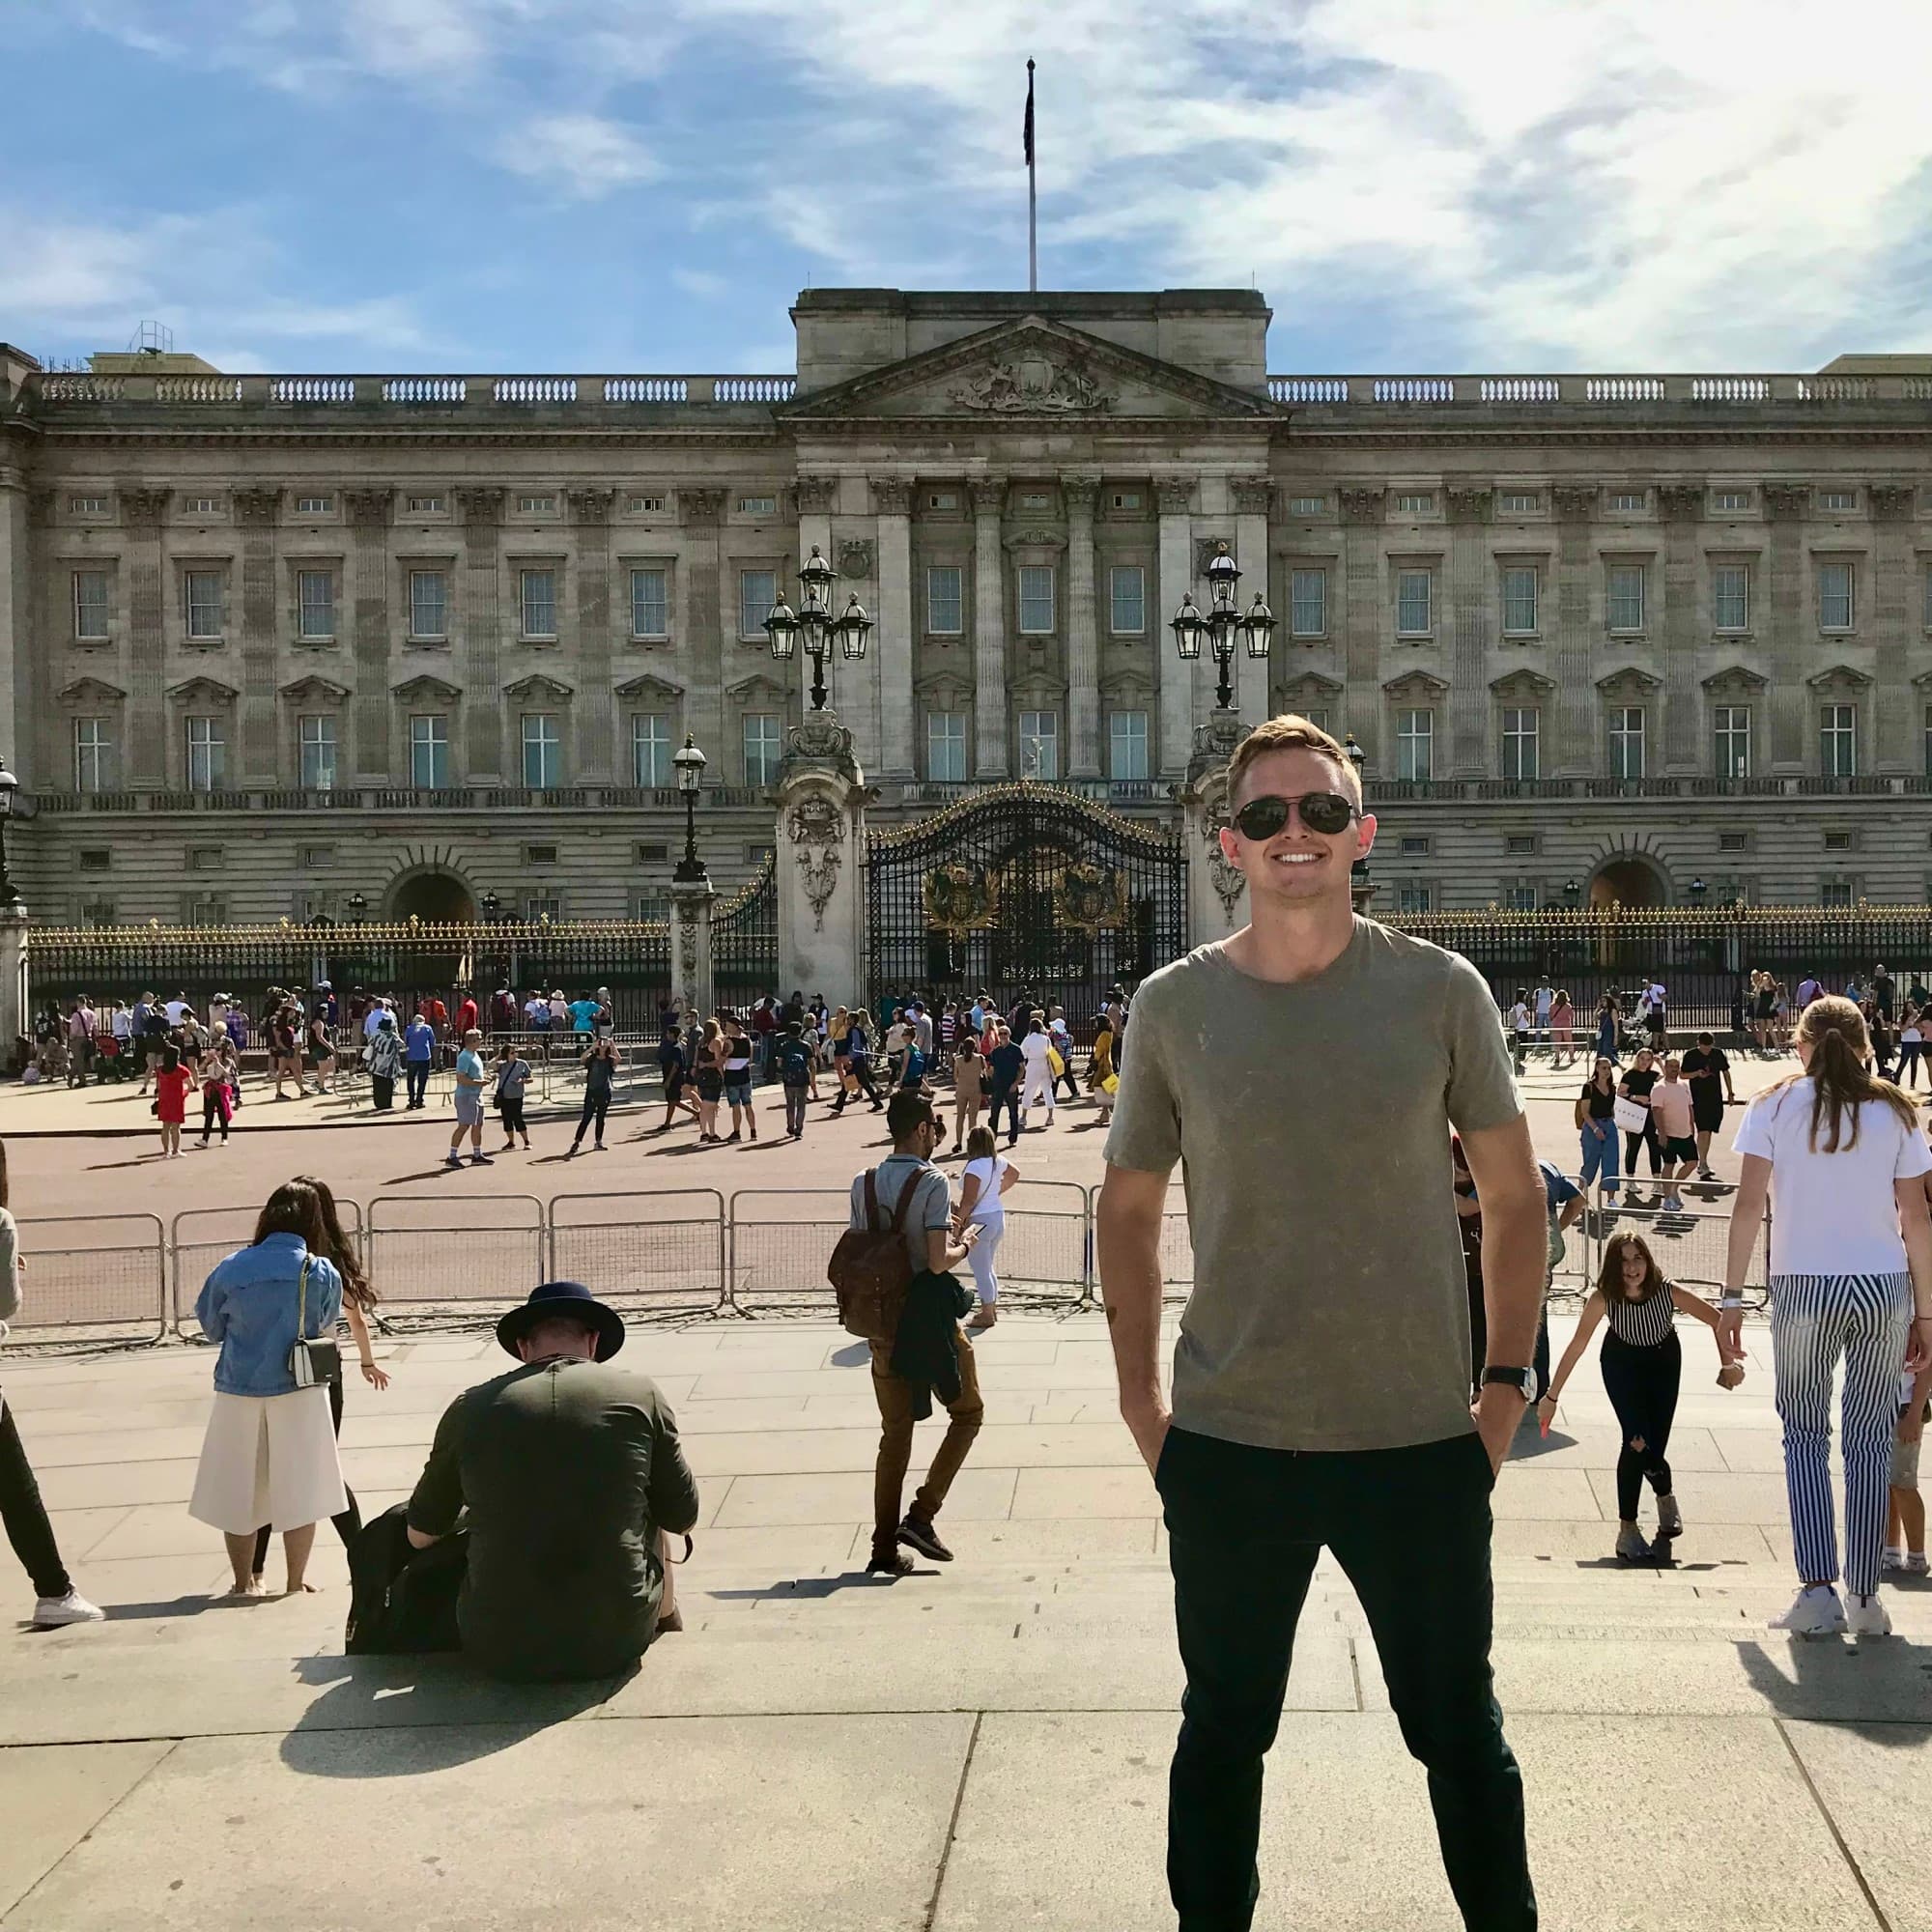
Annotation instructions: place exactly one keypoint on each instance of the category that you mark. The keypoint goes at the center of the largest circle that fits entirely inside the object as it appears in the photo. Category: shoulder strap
(872, 1199)
(302, 1302)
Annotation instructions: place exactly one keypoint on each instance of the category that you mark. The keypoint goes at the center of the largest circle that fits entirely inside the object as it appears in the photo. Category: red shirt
(434, 1011)
(171, 1085)
(466, 1016)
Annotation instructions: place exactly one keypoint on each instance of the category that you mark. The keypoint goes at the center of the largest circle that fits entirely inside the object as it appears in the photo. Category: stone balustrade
(1596, 394)
(65, 389)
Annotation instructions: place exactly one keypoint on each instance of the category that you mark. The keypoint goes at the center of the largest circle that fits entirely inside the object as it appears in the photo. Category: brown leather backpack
(869, 1268)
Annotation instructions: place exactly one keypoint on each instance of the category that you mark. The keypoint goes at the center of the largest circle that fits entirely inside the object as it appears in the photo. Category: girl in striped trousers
(1840, 1155)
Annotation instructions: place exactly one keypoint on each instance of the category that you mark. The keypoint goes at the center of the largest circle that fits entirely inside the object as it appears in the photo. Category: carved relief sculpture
(256, 508)
(816, 828)
(1680, 502)
(855, 557)
(1222, 875)
(892, 496)
(1033, 385)
(958, 899)
(816, 494)
(1361, 506)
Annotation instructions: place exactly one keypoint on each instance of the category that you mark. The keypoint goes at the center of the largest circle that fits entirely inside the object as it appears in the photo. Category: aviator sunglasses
(1326, 813)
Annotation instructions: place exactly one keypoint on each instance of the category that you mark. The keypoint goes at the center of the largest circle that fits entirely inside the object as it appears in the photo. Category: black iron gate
(744, 941)
(1023, 888)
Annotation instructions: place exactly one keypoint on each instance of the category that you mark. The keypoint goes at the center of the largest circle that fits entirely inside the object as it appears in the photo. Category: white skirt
(269, 1458)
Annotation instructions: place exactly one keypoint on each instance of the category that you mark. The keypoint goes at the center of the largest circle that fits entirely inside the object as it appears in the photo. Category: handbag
(1631, 1116)
(314, 1359)
(1055, 1065)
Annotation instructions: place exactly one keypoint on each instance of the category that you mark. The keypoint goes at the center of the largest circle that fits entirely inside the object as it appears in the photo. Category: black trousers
(1008, 1097)
(1244, 1527)
(1642, 1385)
(349, 1524)
(25, 1515)
(1648, 1139)
(416, 1074)
(595, 1107)
(382, 1092)
(512, 1112)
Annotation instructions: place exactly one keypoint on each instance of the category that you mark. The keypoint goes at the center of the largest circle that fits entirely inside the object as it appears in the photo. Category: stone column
(1363, 618)
(708, 649)
(1217, 901)
(1681, 506)
(892, 640)
(1083, 629)
(258, 723)
(593, 711)
(16, 1001)
(1790, 625)
(1175, 678)
(1469, 631)
(371, 513)
(1893, 585)
(691, 903)
(820, 842)
(15, 654)
(1572, 749)
(146, 714)
(480, 656)
(989, 632)
(1250, 497)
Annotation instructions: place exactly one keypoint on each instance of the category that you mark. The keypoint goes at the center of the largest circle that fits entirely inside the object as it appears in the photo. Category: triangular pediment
(315, 689)
(647, 685)
(1416, 684)
(1734, 681)
(425, 686)
(1521, 685)
(537, 685)
(203, 691)
(756, 686)
(1840, 677)
(1309, 686)
(1630, 682)
(944, 688)
(1034, 369)
(91, 691)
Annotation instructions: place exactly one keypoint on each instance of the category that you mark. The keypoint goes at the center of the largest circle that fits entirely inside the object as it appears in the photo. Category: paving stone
(1872, 1779)
(52, 1798)
(979, 1493)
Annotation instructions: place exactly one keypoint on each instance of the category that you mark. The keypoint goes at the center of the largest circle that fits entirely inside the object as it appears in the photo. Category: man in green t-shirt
(571, 1472)
(1307, 1072)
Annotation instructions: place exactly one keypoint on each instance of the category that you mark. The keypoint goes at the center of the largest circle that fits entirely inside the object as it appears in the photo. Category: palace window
(93, 755)
(1730, 725)
(648, 506)
(1731, 501)
(1127, 745)
(1036, 588)
(761, 747)
(757, 506)
(1415, 502)
(90, 605)
(315, 604)
(201, 603)
(650, 603)
(207, 755)
(1414, 602)
(538, 596)
(1519, 503)
(757, 592)
(1627, 741)
(944, 607)
(1520, 741)
(429, 605)
(1838, 739)
(1126, 596)
(946, 747)
(1308, 603)
(87, 507)
(428, 751)
(650, 749)
(315, 506)
(317, 738)
(1414, 746)
(1837, 499)
(1412, 896)
(1040, 743)
(536, 506)
(1730, 597)
(1307, 506)
(1625, 589)
(1519, 599)
(1834, 597)
(1628, 500)
(425, 506)
(543, 750)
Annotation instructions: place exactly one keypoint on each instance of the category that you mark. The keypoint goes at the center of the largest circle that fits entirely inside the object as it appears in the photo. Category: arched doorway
(1628, 881)
(436, 897)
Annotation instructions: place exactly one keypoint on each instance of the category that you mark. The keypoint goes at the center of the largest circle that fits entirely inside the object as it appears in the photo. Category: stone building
(289, 645)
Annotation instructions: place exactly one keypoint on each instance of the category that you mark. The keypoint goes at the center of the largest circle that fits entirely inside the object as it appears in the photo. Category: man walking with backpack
(893, 1272)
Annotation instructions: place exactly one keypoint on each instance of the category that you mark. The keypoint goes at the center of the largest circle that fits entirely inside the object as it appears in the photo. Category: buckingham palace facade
(319, 646)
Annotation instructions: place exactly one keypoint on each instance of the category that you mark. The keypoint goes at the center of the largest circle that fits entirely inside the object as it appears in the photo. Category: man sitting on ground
(571, 1472)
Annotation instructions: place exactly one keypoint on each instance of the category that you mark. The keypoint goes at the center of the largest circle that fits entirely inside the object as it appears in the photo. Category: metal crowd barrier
(779, 1240)
(200, 1237)
(630, 1249)
(103, 1274)
(423, 1251)
(1048, 1243)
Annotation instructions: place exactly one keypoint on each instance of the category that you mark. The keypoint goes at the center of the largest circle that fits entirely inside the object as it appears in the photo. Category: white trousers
(980, 1259)
(1038, 1087)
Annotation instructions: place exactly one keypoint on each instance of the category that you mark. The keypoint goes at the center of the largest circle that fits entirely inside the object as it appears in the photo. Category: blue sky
(642, 186)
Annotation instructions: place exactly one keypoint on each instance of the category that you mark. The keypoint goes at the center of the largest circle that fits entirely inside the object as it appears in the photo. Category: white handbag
(1631, 1116)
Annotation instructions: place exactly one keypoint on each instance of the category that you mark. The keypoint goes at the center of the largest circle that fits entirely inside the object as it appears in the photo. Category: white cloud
(582, 154)
(700, 283)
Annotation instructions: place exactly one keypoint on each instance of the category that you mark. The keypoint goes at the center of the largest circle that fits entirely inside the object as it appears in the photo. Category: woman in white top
(982, 1189)
(1840, 1155)
(1911, 1042)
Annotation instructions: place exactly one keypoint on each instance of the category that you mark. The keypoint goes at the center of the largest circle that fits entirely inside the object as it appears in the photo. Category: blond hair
(1290, 733)
(1834, 1030)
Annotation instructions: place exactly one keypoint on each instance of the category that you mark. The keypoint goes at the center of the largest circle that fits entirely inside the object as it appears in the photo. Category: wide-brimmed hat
(570, 1299)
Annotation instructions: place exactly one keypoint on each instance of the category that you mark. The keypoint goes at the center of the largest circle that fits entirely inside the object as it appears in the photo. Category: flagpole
(1032, 232)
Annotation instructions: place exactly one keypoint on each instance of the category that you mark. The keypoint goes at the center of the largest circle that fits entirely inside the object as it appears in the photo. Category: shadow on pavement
(1881, 1688)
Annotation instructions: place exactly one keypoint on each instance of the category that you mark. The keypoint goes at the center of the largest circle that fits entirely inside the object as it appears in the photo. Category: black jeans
(1642, 1386)
(349, 1524)
(1245, 1526)
(1647, 1139)
(416, 1072)
(595, 1107)
(25, 1515)
(1008, 1097)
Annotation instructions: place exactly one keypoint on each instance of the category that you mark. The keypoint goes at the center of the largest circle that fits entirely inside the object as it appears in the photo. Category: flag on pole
(1027, 131)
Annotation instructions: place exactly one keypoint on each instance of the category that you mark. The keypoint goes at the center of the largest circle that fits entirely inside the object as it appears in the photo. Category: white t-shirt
(174, 1009)
(1832, 1213)
(987, 1206)
(1035, 1046)
(1519, 1017)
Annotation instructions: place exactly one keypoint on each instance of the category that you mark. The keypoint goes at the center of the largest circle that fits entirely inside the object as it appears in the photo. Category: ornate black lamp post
(10, 785)
(1571, 893)
(490, 903)
(1697, 891)
(689, 763)
(1357, 758)
(358, 907)
(1221, 624)
(813, 623)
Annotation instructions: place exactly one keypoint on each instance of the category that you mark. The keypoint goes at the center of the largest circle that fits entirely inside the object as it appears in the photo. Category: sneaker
(1915, 1564)
(481, 1161)
(1669, 1518)
(1631, 1545)
(51, 1612)
(1705, 1173)
(886, 1562)
(1868, 1617)
(1813, 1612)
(452, 1160)
(1672, 1205)
(923, 1537)
(1890, 1561)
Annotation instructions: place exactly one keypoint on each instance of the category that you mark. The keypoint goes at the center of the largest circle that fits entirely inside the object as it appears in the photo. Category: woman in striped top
(1642, 1365)
(1841, 1157)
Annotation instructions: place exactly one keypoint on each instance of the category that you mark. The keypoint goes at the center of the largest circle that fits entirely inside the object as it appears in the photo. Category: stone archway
(1629, 880)
(433, 895)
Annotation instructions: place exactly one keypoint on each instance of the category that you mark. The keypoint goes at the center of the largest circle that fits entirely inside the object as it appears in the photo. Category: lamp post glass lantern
(814, 626)
(358, 907)
(1223, 624)
(10, 787)
(689, 762)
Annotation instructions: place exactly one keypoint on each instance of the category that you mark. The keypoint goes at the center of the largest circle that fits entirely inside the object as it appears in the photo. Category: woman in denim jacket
(269, 1453)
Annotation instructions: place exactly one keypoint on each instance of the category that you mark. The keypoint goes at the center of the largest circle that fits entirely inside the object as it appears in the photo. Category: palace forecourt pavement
(975, 1747)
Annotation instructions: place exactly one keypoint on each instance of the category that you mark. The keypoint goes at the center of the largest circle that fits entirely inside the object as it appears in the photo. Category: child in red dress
(171, 1085)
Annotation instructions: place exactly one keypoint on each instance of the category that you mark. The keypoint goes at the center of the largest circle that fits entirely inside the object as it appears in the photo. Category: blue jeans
(1601, 1154)
(417, 1071)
